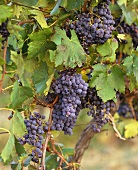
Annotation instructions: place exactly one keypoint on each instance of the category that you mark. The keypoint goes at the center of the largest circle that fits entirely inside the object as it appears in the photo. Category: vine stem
(48, 135)
(27, 21)
(120, 57)
(84, 6)
(4, 67)
(83, 143)
(28, 7)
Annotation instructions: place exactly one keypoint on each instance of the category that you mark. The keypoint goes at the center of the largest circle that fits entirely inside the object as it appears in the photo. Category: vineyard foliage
(66, 55)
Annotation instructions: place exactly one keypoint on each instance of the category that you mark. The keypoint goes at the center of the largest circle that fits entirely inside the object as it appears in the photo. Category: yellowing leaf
(131, 129)
(17, 9)
(39, 17)
(48, 83)
(121, 36)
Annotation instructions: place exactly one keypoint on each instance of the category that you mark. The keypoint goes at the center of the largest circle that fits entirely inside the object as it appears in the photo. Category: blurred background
(106, 151)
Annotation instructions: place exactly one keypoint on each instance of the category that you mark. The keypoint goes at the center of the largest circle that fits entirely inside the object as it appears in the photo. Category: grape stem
(84, 6)
(120, 57)
(48, 136)
(4, 66)
(50, 105)
(24, 22)
(111, 121)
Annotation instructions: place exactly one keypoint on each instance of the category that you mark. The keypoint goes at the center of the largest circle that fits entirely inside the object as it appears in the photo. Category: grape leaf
(107, 79)
(68, 152)
(40, 78)
(131, 129)
(17, 10)
(39, 17)
(74, 4)
(8, 149)
(5, 12)
(51, 162)
(19, 95)
(70, 53)
(131, 64)
(26, 2)
(116, 78)
(18, 60)
(40, 43)
(18, 126)
(108, 49)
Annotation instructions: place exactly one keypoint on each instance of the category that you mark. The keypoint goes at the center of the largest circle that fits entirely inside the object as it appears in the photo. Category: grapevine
(65, 66)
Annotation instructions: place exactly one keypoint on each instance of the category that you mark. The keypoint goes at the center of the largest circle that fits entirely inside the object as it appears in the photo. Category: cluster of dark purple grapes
(95, 27)
(98, 109)
(4, 32)
(124, 28)
(34, 135)
(70, 89)
(125, 110)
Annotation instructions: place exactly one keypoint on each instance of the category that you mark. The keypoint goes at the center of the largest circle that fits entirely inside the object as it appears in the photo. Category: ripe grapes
(95, 27)
(98, 109)
(34, 135)
(70, 88)
(4, 32)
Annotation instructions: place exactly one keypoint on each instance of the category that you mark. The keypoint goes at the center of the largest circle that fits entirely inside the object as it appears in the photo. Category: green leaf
(127, 14)
(19, 95)
(39, 17)
(19, 148)
(74, 4)
(104, 49)
(2, 62)
(70, 53)
(18, 126)
(26, 2)
(27, 161)
(104, 89)
(107, 79)
(8, 149)
(18, 60)
(5, 12)
(40, 77)
(51, 162)
(131, 64)
(40, 43)
(116, 78)
(131, 129)
(108, 49)
(68, 152)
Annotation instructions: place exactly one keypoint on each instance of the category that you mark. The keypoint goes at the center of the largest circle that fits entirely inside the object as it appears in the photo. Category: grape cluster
(98, 109)
(95, 27)
(70, 89)
(125, 110)
(4, 32)
(124, 28)
(34, 126)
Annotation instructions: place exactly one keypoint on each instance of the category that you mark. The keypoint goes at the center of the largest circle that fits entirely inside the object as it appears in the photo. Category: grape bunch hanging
(70, 89)
(4, 32)
(95, 27)
(34, 135)
(98, 109)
